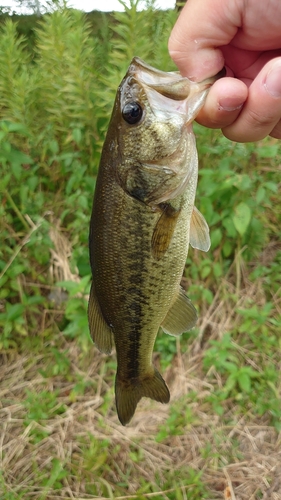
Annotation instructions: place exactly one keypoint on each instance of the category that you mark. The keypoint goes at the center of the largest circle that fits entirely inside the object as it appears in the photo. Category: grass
(61, 433)
(219, 438)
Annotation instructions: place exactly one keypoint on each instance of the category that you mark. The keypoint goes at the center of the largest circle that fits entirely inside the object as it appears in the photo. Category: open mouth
(169, 92)
(170, 84)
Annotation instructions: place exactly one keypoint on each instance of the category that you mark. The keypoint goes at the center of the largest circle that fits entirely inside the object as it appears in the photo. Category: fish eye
(132, 112)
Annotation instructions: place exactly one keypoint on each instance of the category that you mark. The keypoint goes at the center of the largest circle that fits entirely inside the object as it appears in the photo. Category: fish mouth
(169, 84)
(170, 91)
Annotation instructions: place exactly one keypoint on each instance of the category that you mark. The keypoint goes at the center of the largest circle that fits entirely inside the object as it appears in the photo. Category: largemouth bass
(143, 220)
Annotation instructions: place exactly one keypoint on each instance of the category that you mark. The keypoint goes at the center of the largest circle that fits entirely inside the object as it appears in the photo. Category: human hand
(245, 37)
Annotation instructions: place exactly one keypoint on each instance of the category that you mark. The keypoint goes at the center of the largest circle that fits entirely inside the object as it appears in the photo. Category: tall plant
(142, 33)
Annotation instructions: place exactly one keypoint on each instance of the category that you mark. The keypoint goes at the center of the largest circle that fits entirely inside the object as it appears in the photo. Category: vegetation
(59, 433)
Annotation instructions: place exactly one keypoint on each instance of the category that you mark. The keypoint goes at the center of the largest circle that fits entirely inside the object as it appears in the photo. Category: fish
(143, 221)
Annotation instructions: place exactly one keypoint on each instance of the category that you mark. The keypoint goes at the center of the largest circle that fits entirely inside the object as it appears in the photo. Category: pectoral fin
(164, 230)
(199, 232)
(99, 329)
(181, 316)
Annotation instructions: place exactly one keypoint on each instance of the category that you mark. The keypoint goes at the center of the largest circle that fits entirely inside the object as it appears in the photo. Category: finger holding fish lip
(246, 110)
(261, 112)
(223, 104)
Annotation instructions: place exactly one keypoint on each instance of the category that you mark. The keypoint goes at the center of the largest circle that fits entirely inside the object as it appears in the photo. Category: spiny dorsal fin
(181, 316)
(164, 230)
(199, 231)
(99, 329)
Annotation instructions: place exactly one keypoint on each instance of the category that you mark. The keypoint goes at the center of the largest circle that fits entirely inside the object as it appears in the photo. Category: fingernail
(229, 104)
(273, 81)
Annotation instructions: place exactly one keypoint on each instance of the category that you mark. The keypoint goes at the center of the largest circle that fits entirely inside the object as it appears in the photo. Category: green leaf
(244, 381)
(54, 146)
(14, 311)
(260, 194)
(17, 127)
(230, 228)
(242, 218)
(216, 238)
(74, 288)
(77, 135)
(227, 248)
(230, 383)
(272, 186)
(268, 151)
(205, 271)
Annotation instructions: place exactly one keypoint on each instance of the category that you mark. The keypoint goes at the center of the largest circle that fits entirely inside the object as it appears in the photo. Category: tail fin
(129, 393)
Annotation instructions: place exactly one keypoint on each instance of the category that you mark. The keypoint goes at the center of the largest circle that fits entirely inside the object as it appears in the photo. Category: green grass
(59, 433)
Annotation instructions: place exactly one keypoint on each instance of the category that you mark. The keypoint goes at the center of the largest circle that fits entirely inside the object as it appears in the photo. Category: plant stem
(16, 210)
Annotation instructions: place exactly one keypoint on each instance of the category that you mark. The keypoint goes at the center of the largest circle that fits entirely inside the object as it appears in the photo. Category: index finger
(201, 28)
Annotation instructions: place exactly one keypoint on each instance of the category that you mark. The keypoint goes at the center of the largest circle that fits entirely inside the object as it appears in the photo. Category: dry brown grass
(238, 454)
(253, 466)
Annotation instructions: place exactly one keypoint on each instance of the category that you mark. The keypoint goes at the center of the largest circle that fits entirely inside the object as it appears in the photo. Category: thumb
(202, 27)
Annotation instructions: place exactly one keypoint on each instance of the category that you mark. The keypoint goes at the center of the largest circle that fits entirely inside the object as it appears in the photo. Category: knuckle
(258, 119)
(175, 44)
(276, 131)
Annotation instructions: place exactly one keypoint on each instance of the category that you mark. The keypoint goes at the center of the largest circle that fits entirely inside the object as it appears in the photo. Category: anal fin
(181, 316)
(99, 329)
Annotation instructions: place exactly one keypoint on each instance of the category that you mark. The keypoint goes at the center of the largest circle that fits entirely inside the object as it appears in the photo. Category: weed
(40, 407)
(181, 418)
(56, 94)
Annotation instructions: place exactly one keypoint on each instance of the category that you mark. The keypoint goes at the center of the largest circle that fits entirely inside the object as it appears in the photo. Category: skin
(245, 37)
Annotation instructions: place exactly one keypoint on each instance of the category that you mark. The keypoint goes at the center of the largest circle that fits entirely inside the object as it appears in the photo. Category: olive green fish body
(140, 230)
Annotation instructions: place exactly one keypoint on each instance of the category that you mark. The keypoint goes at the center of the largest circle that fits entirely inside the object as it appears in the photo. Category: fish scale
(142, 222)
